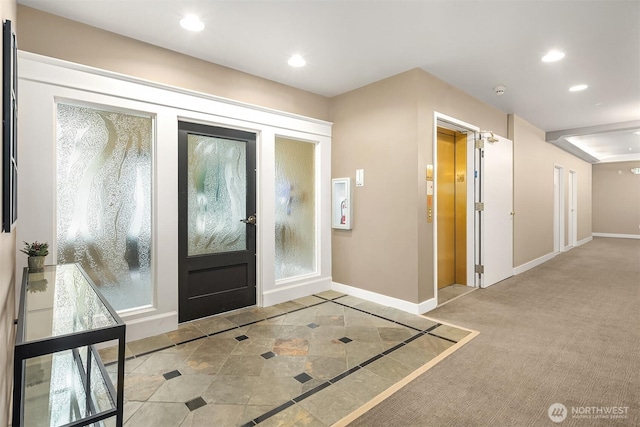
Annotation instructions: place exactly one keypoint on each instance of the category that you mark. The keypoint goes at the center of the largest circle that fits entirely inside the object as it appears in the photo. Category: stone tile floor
(311, 362)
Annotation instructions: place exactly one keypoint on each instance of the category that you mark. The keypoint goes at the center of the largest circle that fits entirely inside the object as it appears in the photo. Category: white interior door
(558, 209)
(496, 218)
(573, 211)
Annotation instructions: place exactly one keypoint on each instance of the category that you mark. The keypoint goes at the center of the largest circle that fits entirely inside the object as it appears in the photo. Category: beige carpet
(565, 332)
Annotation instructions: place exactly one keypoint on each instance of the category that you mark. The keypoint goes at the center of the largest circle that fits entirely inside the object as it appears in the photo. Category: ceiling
(473, 45)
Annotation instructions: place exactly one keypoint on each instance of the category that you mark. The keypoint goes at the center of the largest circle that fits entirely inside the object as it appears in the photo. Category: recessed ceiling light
(553, 56)
(578, 88)
(297, 61)
(192, 23)
(637, 133)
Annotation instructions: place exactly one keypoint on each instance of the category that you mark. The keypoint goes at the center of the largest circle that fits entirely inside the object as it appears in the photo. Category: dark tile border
(345, 374)
(274, 411)
(219, 332)
(372, 314)
(333, 380)
(311, 392)
(443, 338)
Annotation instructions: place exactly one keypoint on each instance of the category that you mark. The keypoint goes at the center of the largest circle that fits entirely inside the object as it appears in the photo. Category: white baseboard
(538, 261)
(409, 307)
(151, 325)
(617, 236)
(531, 264)
(583, 241)
(298, 290)
(427, 305)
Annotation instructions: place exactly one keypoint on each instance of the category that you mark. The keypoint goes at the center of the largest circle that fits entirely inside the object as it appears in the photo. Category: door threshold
(467, 292)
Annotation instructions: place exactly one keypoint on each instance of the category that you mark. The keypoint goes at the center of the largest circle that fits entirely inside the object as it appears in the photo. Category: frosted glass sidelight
(104, 200)
(295, 214)
(217, 195)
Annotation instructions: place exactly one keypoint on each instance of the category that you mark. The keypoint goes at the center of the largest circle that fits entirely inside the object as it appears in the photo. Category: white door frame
(558, 208)
(573, 208)
(442, 120)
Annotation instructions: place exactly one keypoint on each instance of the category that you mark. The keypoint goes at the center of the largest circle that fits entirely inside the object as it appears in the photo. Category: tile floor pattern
(309, 362)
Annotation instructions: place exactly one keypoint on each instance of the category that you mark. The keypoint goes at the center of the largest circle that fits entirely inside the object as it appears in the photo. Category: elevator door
(451, 208)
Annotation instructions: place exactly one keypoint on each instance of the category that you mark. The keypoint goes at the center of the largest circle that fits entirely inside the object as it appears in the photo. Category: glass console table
(59, 378)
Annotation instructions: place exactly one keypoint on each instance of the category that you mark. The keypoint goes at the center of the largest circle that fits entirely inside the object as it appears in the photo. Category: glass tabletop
(59, 300)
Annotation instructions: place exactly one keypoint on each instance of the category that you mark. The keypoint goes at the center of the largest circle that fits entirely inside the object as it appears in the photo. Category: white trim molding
(293, 291)
(583, 241)
(161, 323)
(617, 236)
(409, 307)
(538, 261)
(531, 264)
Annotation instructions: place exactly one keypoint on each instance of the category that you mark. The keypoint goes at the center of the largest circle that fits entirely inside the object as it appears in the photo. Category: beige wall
(616, 198)
(57, 37)
(436, 95)
(533, 164)
(376, 129)
(386, 128)
(7, 280)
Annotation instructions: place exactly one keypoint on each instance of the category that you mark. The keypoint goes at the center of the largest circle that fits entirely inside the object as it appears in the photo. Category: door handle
(250, 220)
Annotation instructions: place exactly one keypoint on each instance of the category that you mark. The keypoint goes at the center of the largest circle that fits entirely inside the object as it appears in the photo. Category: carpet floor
(566, 332)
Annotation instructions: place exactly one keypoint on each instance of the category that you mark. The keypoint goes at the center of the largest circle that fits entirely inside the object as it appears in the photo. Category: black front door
(216, 226)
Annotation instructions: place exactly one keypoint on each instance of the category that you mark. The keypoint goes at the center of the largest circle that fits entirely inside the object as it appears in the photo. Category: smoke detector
(500, 89)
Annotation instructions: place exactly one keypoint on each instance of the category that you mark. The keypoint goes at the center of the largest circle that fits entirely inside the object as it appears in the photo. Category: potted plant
(37, 252)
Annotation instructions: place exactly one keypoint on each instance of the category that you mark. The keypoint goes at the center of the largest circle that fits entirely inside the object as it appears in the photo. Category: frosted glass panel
(104, 200)
(295, 208)
(217, 195)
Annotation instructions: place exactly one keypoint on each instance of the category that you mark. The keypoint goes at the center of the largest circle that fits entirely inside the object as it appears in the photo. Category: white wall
(43, 81)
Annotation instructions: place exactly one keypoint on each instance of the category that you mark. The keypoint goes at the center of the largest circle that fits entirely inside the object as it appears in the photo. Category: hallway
(563, 332)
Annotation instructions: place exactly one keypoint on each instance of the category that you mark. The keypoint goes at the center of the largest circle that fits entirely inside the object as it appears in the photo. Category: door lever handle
(250, 220)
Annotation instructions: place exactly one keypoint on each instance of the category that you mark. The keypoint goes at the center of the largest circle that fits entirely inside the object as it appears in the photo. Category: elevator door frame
(476, 243)
(447, 122)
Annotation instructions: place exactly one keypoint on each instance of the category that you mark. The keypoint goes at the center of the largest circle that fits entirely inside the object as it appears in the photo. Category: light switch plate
(359, 177)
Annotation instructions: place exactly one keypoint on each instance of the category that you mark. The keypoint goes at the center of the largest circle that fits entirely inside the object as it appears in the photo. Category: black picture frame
(9, 127)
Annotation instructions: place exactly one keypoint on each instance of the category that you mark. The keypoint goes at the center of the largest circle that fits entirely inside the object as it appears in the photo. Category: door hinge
(479, 144)
(479, 268)
(479, 206)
